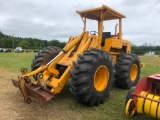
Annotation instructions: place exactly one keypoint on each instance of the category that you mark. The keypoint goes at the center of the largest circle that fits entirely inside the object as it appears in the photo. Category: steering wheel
(93, 32)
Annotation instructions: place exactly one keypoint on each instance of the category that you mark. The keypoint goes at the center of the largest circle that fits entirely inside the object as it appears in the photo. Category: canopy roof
(95, 14)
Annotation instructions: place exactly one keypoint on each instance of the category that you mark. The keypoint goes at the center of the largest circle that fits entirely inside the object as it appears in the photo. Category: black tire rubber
(123, 67)
(82, 77)
(43, 57)
(129, 94)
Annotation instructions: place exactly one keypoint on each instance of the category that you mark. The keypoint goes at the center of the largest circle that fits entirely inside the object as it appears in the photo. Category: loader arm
(52, 80)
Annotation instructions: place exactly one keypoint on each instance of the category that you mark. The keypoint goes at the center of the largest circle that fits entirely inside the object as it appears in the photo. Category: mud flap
(31, 90)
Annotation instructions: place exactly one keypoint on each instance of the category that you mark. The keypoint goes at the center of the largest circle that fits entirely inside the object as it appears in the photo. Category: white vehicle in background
(1, 49)
(19, 49)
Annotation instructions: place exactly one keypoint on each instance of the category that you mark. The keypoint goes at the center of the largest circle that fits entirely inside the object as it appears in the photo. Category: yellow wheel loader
(90, 63)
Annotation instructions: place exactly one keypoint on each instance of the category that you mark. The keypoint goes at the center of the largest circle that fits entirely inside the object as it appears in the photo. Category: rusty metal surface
(20, 83)
(15, 83)
(31, 90)
(40, 94)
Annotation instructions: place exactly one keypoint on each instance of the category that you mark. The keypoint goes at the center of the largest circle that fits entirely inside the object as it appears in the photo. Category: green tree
(24, 44)
(2, 43)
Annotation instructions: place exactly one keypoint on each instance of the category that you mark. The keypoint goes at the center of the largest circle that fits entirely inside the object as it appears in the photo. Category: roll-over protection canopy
(96, 13)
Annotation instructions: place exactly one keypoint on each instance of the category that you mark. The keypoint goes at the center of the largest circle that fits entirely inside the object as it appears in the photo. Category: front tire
(91, 77)
(127, 71)
(43, 57)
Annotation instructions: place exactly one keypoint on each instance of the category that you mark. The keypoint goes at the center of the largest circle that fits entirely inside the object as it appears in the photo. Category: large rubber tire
(43, 57)
(127, 71)
(129, 94)
(91, 77)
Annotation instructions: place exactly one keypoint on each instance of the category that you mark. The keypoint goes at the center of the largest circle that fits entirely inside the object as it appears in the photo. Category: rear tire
(43, 57)
(91, 77)
(127, 71)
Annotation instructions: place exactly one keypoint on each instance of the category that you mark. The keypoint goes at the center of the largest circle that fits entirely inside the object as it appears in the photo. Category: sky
(57, 19)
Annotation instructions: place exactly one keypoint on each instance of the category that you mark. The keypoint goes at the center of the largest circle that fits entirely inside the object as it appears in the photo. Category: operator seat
(105, 35)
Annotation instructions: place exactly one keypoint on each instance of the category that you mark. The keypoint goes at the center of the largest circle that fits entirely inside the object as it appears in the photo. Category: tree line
(145, 48)
(7, 41)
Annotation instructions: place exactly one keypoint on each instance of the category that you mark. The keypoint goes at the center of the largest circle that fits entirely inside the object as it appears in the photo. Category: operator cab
(101, 14)
(112, 43)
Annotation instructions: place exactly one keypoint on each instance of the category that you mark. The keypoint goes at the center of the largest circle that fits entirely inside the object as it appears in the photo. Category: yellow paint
(94, 43)
(154, 106)
(114, 57)
(142, 65)
(129, 113)
(140, 102)
(133, 72)
(85, 41)
(101, 78)
(112, 43)
(148, 105)
(58, 84)
(51, 70)
(158, 111)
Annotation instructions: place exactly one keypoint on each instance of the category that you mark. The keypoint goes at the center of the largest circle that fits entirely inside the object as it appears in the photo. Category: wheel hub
(101, 78)
(133, 72)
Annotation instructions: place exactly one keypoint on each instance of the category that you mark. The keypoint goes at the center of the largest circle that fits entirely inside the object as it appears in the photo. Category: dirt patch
(8, 95)
(12, 106)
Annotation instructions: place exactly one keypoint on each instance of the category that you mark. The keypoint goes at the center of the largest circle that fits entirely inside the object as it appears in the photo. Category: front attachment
(29, 89)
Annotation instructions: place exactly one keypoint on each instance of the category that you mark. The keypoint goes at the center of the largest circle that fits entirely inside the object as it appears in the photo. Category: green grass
(65, 106)
(14, 61)
(152, 65)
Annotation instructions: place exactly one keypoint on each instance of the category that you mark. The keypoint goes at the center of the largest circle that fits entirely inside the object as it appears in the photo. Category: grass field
(65, 106)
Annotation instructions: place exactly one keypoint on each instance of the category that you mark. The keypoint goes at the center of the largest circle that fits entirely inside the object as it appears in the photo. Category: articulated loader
(90, 63)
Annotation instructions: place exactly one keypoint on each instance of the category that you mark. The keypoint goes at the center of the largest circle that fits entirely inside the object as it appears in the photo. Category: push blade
(31, 90)
(40, 94)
